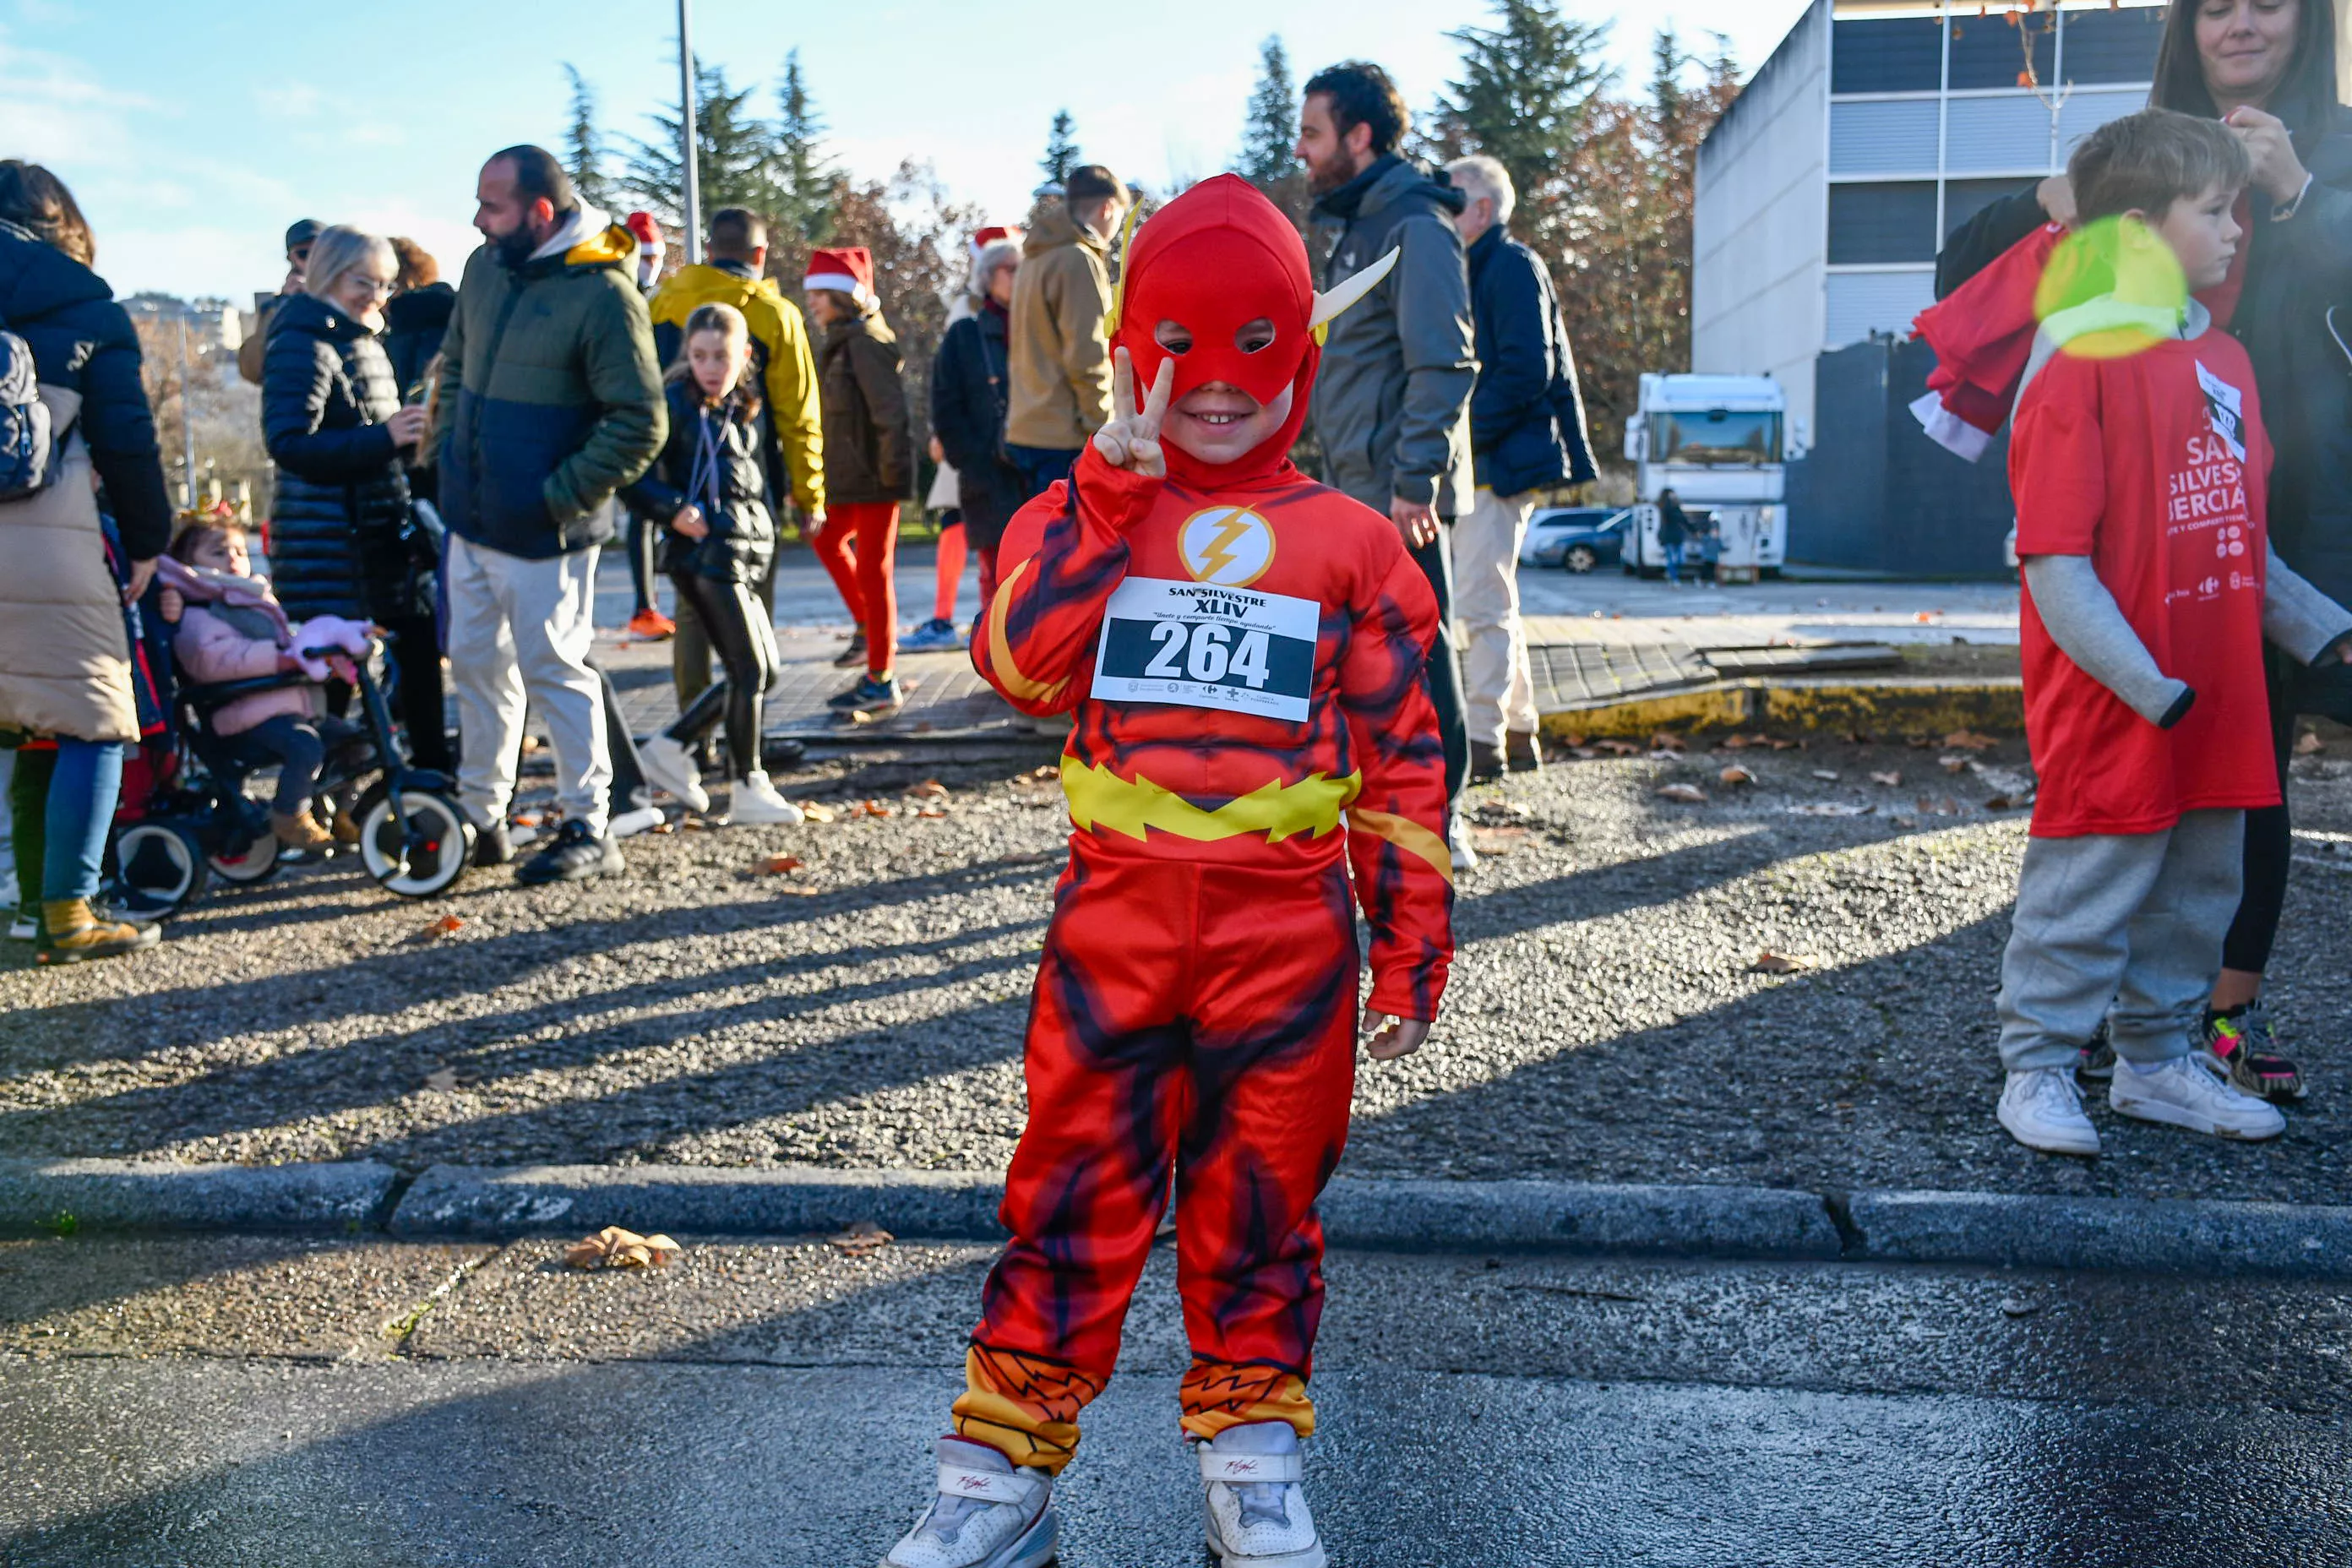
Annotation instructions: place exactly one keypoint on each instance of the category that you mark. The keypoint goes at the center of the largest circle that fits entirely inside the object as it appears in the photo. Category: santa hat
(984, 237)
(849, 269)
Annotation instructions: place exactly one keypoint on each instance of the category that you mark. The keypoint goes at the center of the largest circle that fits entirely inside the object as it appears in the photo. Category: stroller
(192, 820)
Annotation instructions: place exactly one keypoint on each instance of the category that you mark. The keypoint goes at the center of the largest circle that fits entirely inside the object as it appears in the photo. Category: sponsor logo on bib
(1231, 546)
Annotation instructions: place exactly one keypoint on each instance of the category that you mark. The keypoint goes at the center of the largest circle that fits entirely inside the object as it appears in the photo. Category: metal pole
(187, 427)
(686, 132)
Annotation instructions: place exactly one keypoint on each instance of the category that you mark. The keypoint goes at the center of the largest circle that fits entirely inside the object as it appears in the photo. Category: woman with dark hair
(65, 654)
(341, 539)
(2267, 69)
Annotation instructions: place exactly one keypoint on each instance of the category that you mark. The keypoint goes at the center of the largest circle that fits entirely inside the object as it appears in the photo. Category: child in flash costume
(1242, 650)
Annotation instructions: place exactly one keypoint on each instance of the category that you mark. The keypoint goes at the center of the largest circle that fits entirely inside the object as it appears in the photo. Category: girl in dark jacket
(2268, 71)
(970, 388)
(342, 540)
(708, 491)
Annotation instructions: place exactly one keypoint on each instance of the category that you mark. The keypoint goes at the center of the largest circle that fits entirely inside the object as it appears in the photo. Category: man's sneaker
(754, 803)
(629, 824)
(25, 925)
(2095, 1063)
(853, 656)
(650, 625)
(2240, 1043)
(494, 844)
(575, 856)
(2044, 1110)
(1458, 840)
(2189, 1091)
(670, 767)
(1485, 761)
(1256, 1510)
(869, 695)
(932, 637)
(988, 1514)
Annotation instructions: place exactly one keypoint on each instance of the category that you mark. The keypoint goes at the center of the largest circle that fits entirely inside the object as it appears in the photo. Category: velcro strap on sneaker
(983, 1486)
(1250, 1469)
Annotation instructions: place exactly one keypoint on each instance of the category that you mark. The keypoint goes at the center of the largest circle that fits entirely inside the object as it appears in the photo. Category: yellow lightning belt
(1100, 798)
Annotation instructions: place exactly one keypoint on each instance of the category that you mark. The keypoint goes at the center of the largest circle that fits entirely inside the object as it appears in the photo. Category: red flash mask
(1219, 259)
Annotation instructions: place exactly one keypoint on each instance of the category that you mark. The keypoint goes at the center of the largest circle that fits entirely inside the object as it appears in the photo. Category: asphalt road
(206, 1403)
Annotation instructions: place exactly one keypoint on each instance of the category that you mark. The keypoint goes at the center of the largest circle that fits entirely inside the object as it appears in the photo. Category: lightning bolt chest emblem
(1228, 545)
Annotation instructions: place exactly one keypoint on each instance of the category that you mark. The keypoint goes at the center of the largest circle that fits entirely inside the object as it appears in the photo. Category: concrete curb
(1990, 1229)
(1888, 707)
(69, 1195)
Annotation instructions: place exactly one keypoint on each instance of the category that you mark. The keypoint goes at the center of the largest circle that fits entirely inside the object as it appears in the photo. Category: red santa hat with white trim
(849, 269)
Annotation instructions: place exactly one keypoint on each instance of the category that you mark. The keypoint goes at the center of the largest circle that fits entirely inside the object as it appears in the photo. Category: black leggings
(735, 620)
(2270, 851)
(640, 542)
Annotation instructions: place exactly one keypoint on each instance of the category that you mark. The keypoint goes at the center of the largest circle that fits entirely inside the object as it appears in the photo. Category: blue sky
(193, 131)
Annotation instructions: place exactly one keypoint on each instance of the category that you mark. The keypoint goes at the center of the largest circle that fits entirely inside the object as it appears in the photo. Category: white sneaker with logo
(988, 1514)
(2044, 1110)
(755, 802)
(2185, 1092)
(1256, 1510)
(671, 768)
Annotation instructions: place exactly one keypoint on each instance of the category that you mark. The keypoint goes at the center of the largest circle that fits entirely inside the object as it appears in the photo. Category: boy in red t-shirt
(2140, 464)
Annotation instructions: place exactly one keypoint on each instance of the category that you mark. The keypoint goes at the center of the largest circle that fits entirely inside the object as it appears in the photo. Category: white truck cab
(1720, 443)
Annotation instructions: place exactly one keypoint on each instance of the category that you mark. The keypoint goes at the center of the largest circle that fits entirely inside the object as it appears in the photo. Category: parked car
(1577, 537)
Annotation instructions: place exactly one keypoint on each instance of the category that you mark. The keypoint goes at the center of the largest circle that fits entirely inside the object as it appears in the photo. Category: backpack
(28, 440)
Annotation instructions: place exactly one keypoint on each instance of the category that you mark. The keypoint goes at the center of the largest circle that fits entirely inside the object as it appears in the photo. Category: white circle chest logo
(1231, 546)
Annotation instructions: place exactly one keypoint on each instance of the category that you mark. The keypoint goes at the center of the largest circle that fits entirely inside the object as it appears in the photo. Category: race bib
(2225, 411)
(1199, 645)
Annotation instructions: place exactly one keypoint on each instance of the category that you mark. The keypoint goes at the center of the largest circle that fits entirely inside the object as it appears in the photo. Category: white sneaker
(2044, 1110)
(2183, 1092)
(629, 824)
(671, 768)
(988, 1515)
(25, 924)
(1256, 1510)
(755, 801)
(1457, 839)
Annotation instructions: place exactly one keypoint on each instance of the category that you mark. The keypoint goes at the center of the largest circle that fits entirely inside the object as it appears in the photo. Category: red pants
(953, 552)
(857, 544)
(1197, 1014)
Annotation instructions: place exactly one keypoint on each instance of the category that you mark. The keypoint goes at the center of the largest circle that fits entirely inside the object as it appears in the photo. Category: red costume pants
(1197, 1014)
(857, 544)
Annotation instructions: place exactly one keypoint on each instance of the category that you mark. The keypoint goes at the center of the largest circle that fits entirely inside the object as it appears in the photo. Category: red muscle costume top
(2154, 464)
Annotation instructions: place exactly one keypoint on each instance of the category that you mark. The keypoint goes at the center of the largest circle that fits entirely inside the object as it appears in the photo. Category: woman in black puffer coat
(342, 540)
(708, 493)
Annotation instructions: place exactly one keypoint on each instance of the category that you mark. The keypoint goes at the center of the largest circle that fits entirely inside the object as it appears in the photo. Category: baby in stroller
(230, 627)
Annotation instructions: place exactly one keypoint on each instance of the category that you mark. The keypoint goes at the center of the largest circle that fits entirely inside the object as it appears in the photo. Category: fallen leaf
(2307, 744)
(1689, 795)
(1832, 808)
(2017, 1306)
(1827, 775)
(931, 811)
(1737, 776)
(441, 1080)
(1904, 821)
(875, 808)
(1662, 741)
(1571, 741)
(1734, 743)
(1497, 840)
(1892, 781)
(1781, 745)
(1619, 748)
(778, 865)
(862, 1238)
(1045, 772)
(528, 819)
(1969, 740)
(662, 828)
(930, 789)
(815, 813)
(1582, 753)
(613, 1248)
(1768, 962)
(445, 926)
(1953, 765)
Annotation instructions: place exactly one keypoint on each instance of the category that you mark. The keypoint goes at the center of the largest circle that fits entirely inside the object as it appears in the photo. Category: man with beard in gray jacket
(1391, 405)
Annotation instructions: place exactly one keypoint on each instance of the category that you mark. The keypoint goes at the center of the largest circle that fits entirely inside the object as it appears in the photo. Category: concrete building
(1874, 130)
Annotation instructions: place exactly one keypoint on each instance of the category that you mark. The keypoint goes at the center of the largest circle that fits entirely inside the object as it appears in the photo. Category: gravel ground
(866, 1008)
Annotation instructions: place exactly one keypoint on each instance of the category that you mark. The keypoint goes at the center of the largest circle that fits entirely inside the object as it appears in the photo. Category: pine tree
(1270, 132)
(1061, 149)
(1525, 88)
(733, 149)
(805, 180)
(584, 145)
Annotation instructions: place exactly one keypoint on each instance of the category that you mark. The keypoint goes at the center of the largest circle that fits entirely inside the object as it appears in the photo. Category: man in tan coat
(1059, 348)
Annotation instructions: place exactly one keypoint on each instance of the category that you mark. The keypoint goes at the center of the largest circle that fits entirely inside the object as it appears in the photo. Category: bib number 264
(1207, 652)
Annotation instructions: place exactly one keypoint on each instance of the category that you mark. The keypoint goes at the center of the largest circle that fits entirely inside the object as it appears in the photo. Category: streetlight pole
(687, 132)
(187, 425)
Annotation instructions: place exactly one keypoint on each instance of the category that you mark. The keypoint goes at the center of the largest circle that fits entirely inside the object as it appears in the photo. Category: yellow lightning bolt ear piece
(1125, 253)
(1329, 307)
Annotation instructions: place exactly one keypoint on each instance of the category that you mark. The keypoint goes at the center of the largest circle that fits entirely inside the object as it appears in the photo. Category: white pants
(1498, 686)
(521, 630)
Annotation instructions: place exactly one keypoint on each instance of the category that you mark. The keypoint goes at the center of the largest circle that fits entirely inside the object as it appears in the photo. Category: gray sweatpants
(521, 629)
(2135, 921)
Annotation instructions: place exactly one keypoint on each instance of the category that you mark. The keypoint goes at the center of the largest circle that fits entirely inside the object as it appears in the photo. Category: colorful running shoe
(651, 625)
(2242, 1044)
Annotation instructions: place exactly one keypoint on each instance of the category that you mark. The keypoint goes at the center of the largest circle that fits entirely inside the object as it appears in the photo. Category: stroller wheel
(161, 863)
(258, 863)
(439, 842)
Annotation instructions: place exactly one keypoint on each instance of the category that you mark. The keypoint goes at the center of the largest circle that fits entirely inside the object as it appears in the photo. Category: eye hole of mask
(1173, 337)
(1255, 337)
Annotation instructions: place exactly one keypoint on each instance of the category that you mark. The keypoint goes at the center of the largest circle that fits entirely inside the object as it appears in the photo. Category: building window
(1887, 55)
(2112, 46)
(1963, 199)
(1875, 224)
(1987, 51)
(1886, 136)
